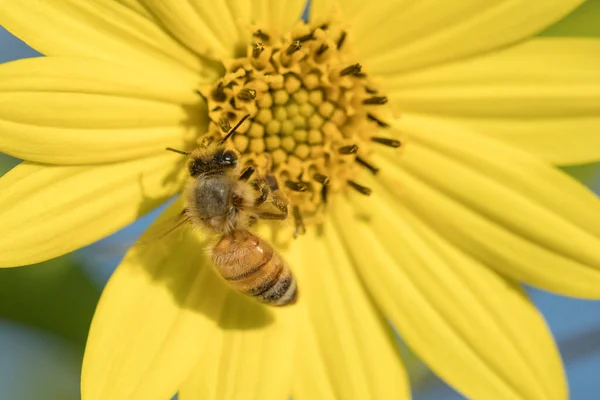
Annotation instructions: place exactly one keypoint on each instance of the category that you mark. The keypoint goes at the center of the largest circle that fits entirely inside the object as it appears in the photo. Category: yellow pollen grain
(280, 97)
(288, 143)
(315, 136)
(241, 142)
(273, 127)
(294, 163)
(338, 117)
(300, 135)
(279, 156)
(275, 82)
(311, 81)
(292, 109)
(315, 97)
(256, 130)
(287, 127)
(264, 115)
(299, 121)
(301, 96)
(302, 151)
(272, 142)
(280, 113)
(257, 146)
(315, 121)
(292, 84)
(331, 131)
(326, 109)
(265, 101)
(306, 110)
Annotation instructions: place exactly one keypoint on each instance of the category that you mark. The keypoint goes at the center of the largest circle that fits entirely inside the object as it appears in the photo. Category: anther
(257, 49)
(341, 40)
(324, 26)
(225, 125)
(304, 38)
(300, 228)
(232, 131)
(185, 153)
(360, 75)
(324, 192)
(247, 173)
(351, 149)
(322, 179)
(297, 186)
(261, 35)
(219, 94)
(387, 142)
(351, 70)
(293, 47)
(374, 170)
(359, 188)
(379, 122)
(370, 90)
(247, 94)
(199, 93)
(322, 49)
(377, 100)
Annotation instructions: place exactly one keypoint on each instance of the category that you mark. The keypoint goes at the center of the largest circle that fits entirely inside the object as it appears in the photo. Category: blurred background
(45, 311)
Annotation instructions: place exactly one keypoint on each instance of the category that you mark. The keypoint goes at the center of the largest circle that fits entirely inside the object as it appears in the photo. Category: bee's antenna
(232, 131)
(185, 153)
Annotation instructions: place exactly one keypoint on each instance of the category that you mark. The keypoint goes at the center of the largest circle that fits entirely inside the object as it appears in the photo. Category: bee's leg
(279, 200)
(299, 222)
(262, 186)
(268, 215)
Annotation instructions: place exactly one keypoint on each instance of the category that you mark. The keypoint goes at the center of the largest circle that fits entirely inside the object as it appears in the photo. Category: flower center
(313, 114)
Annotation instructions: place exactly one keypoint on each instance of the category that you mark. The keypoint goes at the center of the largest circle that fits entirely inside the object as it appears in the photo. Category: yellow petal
(543, 78)
(47, 211)
(423, 33)
(218, 30)
(354, 342)
(156, 315)
(501, 205)
(65, 110)
(96, 28)
(561, 141)
(476, 330)
(250, 358)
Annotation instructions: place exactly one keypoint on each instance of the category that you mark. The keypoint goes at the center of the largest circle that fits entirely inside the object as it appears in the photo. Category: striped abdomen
(253, 267)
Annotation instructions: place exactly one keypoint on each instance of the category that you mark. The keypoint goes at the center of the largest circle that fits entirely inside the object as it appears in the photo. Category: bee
(222, 200)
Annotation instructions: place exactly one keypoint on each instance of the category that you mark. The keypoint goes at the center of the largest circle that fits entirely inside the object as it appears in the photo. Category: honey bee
(223, 200)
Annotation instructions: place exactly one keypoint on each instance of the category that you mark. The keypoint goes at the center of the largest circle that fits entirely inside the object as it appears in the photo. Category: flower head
(443, 115)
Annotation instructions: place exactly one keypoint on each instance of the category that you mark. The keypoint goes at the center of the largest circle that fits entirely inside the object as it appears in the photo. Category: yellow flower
(466, 209)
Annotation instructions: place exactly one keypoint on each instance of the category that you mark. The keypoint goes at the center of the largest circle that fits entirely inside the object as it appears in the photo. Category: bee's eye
(227, 158)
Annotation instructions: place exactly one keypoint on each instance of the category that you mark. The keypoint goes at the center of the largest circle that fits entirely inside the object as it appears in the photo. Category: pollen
(314, 114)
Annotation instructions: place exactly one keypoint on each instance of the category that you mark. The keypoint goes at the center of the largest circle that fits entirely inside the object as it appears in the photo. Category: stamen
(359, 188)
(300, 228)
(232, 131)
(293, 47)
(225, 125)
(370, 90)
(324, 26)
(379, 122)
(352, 149)
(247, 94)
(387, 142)
(324, 192)
(322, 49)
(261, 35)
(367, 165)
(247, 173)
(219, 94)
(377, 100)
(341, 40)
(309, 36)
(257, 49)
(322, 179)
(297, 186)
(360, 75)
(351, 70)
(185, 153)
